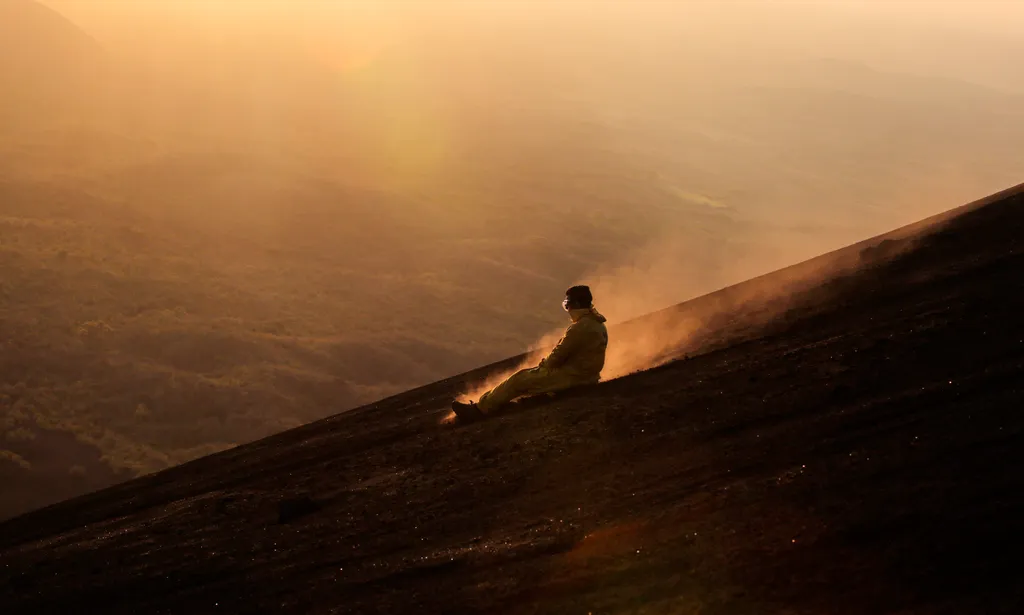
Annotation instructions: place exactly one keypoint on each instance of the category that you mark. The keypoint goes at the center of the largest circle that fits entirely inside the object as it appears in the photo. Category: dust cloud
(640, 297)
(653, 320)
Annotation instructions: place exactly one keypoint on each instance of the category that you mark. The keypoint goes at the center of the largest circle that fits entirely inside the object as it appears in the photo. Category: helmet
(578, 298)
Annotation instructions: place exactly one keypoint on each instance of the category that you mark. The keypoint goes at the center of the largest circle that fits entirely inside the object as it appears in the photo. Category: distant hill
(44, 58)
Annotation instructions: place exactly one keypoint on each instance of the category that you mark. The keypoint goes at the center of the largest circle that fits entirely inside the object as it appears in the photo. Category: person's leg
(524, 382)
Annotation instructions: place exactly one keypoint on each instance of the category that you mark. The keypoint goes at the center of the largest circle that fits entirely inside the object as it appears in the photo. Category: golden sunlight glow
(265, 211)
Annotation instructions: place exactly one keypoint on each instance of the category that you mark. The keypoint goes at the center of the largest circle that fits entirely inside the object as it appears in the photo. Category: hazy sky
(849, 90)
(1006, 16)
(973, 40)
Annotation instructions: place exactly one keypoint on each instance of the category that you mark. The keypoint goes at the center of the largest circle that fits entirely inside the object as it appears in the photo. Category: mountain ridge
(46, 63)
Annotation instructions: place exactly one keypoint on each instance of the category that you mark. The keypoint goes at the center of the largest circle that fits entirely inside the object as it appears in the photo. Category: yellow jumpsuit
(577, 359)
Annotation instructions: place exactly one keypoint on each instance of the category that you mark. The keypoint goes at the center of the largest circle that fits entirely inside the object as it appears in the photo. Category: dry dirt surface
(863, 452)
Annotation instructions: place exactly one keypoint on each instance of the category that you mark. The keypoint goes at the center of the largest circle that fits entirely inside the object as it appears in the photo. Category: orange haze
(223, 218)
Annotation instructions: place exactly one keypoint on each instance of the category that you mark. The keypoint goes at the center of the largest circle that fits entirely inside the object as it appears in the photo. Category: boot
(466, 411)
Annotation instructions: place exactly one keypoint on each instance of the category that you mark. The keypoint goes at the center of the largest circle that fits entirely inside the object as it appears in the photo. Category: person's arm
(566, 347)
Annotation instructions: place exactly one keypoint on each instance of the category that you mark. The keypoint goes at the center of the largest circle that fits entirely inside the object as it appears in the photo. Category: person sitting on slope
(577, 360)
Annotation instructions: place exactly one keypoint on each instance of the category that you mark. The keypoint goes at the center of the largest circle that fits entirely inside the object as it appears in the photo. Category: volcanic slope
(860, 452)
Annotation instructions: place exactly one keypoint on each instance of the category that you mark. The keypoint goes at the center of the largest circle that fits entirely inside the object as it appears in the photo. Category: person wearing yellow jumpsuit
(577, 360)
